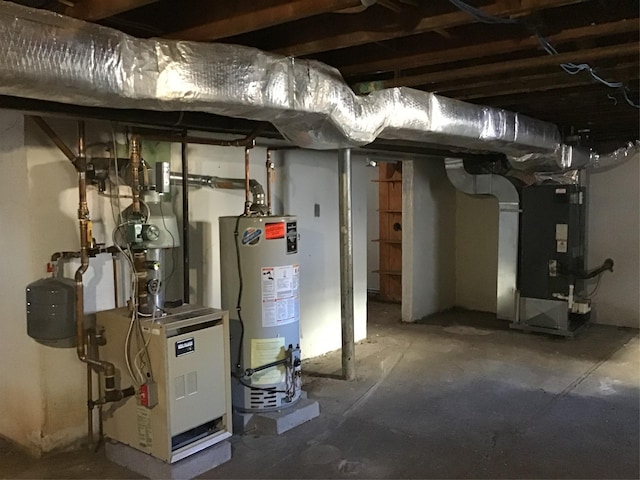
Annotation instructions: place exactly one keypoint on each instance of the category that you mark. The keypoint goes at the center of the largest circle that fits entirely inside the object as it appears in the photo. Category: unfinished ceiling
(430, 45)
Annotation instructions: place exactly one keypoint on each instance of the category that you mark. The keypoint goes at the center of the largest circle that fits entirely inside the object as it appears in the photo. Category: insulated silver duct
(50, 57)
(508, 228)
(47, 56)
(615, 158)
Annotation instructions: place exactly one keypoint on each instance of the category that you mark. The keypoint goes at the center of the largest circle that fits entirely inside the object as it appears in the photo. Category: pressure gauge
(152, 233)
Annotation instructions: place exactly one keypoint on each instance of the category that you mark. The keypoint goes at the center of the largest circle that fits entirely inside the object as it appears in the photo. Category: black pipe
(607, 265)
(250, 371)
(44, 126)
(185, 219)
(205, 122)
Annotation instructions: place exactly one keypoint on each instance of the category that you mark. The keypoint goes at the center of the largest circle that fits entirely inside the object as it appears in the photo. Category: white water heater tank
(259, 267)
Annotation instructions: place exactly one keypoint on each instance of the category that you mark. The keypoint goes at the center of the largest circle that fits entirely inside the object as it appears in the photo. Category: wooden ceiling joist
(615, 51)
(235, 17)
(429, 45)
(488, 49)
(312, 40)
(534, 83)
(93, 10)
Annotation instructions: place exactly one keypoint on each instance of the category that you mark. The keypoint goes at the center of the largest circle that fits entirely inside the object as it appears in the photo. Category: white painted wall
(476, 244)
(44, 408)
(312, 178)
(21, 396)
(428, 239)
(205, 206)
(613, 212)
(303, 178)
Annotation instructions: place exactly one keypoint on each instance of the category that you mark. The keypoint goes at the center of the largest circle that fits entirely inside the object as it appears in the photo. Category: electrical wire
(570, 68)
(127, 350)
(240, 287)
(142, 202)
(142, 359)
(117, 170)
(173, 245)
(595, 289)
(483, 16)
(134, 323)
(145, 349)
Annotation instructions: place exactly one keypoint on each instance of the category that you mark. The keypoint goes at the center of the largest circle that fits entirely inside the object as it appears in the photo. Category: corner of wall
(21, 395)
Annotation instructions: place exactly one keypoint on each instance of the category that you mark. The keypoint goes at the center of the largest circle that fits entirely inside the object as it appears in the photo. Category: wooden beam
(534, 83)
(93, 10)
(553, 102)
(615, 51)
(314, 39)
(217, 20)
(469, 52)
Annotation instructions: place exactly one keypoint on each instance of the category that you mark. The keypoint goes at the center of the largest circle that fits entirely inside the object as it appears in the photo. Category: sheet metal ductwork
(508, 227)
(615, 158)
(50, 57)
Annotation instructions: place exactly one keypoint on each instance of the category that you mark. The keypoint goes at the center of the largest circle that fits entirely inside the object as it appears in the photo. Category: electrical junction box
(187, 406)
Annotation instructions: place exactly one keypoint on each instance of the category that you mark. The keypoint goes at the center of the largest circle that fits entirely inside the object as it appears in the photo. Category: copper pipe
(247, 203)
(44, 126)
(82, 347)
(270, 171)
(83, 218)
(90, 435)
(134, 153)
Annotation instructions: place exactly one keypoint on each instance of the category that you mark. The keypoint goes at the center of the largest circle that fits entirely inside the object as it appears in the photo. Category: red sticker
(274, 230)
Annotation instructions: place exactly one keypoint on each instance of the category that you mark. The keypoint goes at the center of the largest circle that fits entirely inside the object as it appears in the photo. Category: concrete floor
(456, 396)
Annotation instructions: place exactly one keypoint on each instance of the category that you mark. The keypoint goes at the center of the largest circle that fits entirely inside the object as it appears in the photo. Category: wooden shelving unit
(390, 238)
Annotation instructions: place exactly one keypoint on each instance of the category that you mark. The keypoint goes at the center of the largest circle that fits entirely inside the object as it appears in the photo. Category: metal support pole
(184, 155)
(346, 265)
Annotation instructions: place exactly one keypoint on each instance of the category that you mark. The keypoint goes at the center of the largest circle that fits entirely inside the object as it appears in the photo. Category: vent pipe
(508, 226)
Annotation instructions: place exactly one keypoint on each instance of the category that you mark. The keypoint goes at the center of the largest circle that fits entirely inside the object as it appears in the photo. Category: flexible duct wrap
(50, 57)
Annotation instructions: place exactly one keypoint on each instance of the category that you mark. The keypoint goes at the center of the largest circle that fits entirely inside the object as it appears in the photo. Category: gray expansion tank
(51, 317)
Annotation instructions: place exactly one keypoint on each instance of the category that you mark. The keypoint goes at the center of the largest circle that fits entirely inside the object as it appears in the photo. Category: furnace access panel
(189, 352)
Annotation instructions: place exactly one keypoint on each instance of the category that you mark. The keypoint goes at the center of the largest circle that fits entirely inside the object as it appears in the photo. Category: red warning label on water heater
(274, 230)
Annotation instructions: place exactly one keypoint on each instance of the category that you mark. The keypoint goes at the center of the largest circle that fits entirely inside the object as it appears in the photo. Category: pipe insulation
(47, 56)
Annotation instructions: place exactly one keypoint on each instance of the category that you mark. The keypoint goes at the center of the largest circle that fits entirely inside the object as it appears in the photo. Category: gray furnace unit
(551, 264)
